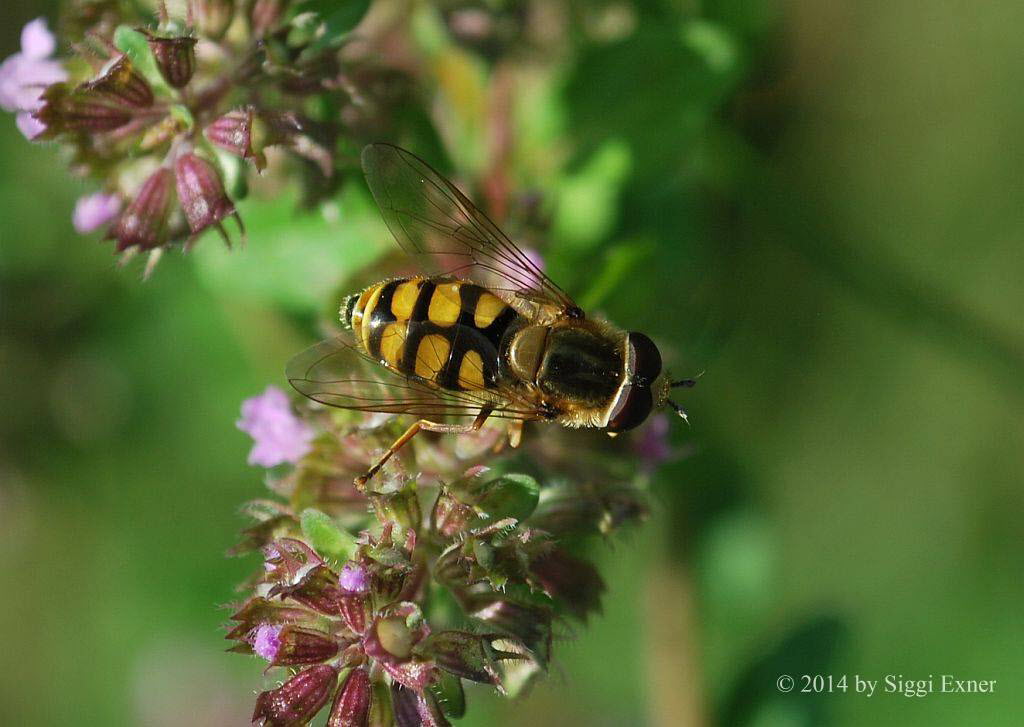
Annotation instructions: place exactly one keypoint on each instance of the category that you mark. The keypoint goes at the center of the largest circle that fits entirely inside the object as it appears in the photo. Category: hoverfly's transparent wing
(337, 373)
(431, 219)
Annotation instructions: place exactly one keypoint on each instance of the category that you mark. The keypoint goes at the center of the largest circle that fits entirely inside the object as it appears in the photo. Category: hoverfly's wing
(336, 372)
(431, 219)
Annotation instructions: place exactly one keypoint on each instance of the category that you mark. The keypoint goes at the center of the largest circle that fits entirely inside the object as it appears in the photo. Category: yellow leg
(515, 433)
(416, 428)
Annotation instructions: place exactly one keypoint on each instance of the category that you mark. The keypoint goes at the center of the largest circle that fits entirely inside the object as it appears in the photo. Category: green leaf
(296, 259)
(588, 200)
(326, 537)
(447, 690)
(509, 496)
(339, 18)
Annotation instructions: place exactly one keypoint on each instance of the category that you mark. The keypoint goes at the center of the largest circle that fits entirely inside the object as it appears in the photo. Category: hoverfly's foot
(685, 383)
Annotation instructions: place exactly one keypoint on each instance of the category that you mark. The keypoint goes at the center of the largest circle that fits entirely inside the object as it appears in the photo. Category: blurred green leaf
(329, 540)
(587, 201)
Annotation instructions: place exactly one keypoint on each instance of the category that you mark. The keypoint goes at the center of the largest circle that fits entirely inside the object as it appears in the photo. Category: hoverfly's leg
(427, 426)
(515, 433)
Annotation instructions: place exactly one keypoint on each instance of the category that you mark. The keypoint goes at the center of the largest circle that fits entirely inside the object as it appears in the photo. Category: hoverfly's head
(635, 398)
(645, 387)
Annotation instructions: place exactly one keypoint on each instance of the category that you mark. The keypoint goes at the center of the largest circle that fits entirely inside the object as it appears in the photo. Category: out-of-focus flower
(143, 90)
(94, 211)
(29, 126)
(25, 75)
(653, 446)
(278, 434)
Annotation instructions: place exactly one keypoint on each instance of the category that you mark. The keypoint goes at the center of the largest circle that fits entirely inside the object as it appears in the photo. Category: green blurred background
(818, 203)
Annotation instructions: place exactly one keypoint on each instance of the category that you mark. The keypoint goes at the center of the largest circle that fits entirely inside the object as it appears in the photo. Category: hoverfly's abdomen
(446, 331)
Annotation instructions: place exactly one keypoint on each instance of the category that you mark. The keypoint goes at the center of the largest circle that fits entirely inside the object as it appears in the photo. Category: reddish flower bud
(353, 610)
(175, 57)
(415, 708)
(450, 516)
(122, 85)
(143, 223)
(242, 133)
(304, 646)
(298, 699)
(202, 194)
(264, 16)
(351, 706)
(213, 17)
(257, 612)
(318, 589)
(569, 580)
(69, 110)
(530, 624)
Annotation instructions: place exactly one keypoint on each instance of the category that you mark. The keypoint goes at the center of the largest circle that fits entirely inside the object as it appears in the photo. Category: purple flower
(29, 126)
(278, 435)
(354, 578)
(267, 641)
(93, 211)
(652, 445)
(535, 258)
(25, 75)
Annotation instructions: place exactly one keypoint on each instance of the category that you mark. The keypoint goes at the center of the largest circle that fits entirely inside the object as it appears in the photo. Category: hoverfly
(484, 333)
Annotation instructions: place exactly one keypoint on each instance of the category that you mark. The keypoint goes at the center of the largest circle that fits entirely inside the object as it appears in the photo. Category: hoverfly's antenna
(680, 411)
(686, 383)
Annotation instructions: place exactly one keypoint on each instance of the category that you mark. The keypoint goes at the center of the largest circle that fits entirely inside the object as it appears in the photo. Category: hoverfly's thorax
(526, 350)
(580, 365)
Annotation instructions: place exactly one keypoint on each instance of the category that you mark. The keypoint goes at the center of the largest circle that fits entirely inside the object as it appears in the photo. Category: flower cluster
(382, 601)
(169, 114)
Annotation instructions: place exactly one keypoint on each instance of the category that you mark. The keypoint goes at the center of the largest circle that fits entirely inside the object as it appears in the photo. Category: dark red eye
(632, 407)
(645, 358)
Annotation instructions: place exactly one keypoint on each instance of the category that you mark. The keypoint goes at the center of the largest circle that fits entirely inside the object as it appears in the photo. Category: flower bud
(298, 699)
(264, 16)
(570, 580)
(143, 223)
(351, 706)
(213, 17)
(297, 645)
(242, 133)
(121, 85)
(318, 589)
(175, 57)
(202, 194)
(464, 654)
(71, 110)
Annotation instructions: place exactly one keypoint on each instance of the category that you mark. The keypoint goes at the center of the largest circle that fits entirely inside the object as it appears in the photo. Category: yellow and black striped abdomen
(446, 331)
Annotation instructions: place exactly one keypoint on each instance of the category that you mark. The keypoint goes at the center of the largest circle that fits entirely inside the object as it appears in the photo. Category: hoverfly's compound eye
(631, 408)
(644, 358)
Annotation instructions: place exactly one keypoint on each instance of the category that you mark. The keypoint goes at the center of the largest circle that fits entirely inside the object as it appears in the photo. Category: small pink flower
(354, 578)
(29, 126)
(25, 75)
(94, 211)
(278, 435)
(267, 642)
